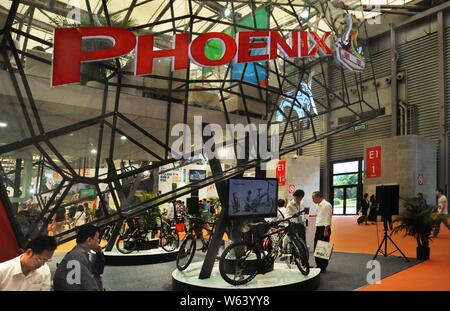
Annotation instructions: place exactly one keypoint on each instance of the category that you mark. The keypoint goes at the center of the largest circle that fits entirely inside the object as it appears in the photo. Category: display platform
(281, 278)
(145, 257)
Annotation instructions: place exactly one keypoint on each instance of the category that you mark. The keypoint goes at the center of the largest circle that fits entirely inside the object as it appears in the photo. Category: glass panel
(351, 201)
(338, 201)
(348, 179)
(345, 167)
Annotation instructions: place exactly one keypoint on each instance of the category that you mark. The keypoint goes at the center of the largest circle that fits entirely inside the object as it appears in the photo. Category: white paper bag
(323, 250)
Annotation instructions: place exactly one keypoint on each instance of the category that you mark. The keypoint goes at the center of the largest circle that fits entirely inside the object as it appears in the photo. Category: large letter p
(68, 54)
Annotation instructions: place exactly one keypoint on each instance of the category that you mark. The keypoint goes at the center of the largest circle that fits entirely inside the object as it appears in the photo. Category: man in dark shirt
(81, 269)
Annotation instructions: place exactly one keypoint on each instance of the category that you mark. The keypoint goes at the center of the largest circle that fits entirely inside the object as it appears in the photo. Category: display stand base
(281, 278)
(145, 257)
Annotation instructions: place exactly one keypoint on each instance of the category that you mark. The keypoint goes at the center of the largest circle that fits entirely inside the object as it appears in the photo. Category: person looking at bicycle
(82, 267)
(323, 225)
(295, 206)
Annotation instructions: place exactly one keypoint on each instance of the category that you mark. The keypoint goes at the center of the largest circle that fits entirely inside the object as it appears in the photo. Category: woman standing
(365, 207)
(80, 216)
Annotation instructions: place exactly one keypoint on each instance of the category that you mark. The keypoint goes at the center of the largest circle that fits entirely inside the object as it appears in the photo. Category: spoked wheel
(239, 263)
(186, 253)
(170, 240)
(126, 244)
(300, 255)
(106, 236)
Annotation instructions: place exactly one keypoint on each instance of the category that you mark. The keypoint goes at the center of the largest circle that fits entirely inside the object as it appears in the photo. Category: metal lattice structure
(118, 144)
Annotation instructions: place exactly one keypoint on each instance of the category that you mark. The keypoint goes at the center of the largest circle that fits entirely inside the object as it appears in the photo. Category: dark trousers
(438, 227)
(320, 262)
(300, 229)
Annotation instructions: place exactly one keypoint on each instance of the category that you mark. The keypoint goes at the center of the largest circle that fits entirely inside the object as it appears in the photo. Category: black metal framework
(111, 122)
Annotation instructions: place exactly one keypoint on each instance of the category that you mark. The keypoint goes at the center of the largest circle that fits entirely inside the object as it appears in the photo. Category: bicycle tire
(186, 253)
(245, 272)
(170, 241)
(126, 240)
(300, 255)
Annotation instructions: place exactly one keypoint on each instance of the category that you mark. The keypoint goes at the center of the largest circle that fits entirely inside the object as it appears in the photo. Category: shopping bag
(323, 250)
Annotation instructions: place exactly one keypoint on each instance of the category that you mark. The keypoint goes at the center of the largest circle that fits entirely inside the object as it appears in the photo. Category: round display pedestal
(281, 278)
(145, 257)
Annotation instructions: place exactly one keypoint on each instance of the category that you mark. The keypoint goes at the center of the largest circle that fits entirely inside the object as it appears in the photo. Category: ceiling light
(227, 12)
(304, 14)
(3, 124)
(94, 151)
(123, 137)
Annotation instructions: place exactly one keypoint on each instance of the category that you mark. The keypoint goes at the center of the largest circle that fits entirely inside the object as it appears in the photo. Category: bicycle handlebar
(276, 222)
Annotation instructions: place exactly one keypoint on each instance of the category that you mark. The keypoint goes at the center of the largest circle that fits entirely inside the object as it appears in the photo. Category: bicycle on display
(132, 236)
(195, 228)
(259, 201)
(242, 261)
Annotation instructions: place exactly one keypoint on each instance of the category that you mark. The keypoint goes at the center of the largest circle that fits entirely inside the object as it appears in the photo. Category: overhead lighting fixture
(3, 124)
(304, 14)
(123, 137)
(227, 12)
(94, 151)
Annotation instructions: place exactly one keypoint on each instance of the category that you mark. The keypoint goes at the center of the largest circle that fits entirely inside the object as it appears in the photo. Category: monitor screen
(195, 175)
(251, 197)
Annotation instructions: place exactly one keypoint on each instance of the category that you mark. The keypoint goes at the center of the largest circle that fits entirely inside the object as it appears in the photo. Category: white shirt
(293, 208)
(13, 279)
(443, 201)
(170, 211)
(80, 218)
(324, 213)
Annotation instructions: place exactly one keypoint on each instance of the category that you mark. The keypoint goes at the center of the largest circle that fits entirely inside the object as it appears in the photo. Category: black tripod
(385, 242)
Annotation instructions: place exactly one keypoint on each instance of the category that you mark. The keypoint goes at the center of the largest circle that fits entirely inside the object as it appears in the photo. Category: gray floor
(346, 271)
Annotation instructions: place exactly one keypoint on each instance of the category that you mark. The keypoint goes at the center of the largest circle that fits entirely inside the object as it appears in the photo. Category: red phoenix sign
(373, 162)
(281, 172)
(68, 53)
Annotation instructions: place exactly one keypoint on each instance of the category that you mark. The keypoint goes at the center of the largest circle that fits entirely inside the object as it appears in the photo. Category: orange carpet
(431, 275)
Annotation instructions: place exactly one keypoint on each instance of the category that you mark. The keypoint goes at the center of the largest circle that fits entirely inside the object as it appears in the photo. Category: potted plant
(418, 220)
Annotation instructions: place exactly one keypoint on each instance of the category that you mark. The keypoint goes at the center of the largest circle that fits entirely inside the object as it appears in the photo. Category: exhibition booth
(182, 129)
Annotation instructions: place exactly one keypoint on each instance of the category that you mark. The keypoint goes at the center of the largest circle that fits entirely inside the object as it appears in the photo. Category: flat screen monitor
(195, 175)
(252, 197)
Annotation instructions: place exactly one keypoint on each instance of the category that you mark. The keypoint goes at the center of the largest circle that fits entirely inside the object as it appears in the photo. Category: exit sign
(361, 127)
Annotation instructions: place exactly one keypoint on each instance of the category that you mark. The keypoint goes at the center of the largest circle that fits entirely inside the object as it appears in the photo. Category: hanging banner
(373, 162)
(281, 172)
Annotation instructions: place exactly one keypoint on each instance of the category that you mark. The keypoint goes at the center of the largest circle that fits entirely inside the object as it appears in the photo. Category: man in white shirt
(323, 225)
(295, 206)
(29, 271)
(170, 210)
(442, 209)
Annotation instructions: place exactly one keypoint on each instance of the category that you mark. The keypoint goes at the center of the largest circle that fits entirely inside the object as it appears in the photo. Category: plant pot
(423, 253)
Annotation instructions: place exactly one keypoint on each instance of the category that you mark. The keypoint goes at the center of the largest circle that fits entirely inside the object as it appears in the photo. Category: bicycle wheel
(239, 263)
(126, 244)
(186, 253)
(170, 240)
(300, 255)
